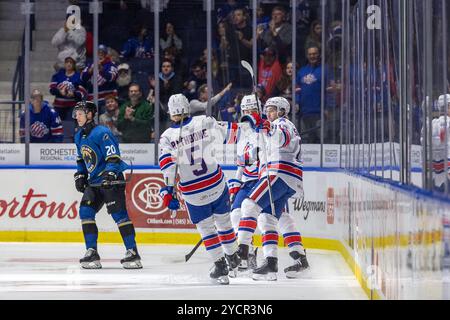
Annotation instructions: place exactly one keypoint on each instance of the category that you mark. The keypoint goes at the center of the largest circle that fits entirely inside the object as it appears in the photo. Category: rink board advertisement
(396, 242)
(46, 200)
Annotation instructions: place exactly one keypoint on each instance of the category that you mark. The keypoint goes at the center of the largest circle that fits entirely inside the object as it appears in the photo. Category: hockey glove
(234, 186)
(80, 181)
(257, 122)
(169, 201)
(108, 177)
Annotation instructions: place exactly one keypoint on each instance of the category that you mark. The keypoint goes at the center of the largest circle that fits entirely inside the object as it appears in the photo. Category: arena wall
(395, 240)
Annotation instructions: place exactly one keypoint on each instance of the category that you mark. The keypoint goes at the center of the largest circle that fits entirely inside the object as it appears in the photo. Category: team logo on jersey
(38, 129)
(309, 79)
(89, 157)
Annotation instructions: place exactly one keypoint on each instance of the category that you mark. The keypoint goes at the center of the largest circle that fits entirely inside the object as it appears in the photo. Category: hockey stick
(113, 183)
(249, 68)
(191, 253)
(173, 213)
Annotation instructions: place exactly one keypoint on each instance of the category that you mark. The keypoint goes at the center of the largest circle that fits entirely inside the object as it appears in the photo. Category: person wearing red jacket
(269, 71)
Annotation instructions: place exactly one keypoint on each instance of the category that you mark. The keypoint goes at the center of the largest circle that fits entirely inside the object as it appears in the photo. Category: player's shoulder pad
(102, 133)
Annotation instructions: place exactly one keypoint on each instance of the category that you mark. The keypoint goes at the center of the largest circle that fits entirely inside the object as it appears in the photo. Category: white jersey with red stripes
(201, 180)
(247, 157)
(439, 152)
(283, 153)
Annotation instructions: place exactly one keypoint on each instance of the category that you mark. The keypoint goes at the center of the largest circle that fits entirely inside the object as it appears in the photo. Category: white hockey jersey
(201, 178)
(247, 154)
(283, 154)
(438, 146)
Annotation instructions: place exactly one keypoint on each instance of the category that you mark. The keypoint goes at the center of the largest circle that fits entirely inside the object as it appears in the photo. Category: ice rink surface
(51, 271)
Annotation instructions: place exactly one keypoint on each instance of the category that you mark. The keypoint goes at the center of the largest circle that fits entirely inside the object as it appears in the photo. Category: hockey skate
(300, 264)
(91, 260)
(252, 259)
(132, 260)
(220, 273)
(233, 263)
(268, 271)
(243, 255)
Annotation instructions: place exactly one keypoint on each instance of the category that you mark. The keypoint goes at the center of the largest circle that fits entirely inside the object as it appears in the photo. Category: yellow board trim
(183, 238)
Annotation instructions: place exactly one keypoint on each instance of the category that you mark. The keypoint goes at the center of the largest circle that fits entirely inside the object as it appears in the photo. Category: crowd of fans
(126, 84)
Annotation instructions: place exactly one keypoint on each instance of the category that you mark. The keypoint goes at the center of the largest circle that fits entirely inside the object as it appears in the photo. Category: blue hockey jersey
(94, 151)
(45, 126)
(106, 80)
(67, 84)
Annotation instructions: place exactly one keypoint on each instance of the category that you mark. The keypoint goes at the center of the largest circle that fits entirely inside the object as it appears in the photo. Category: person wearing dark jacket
(136, 117)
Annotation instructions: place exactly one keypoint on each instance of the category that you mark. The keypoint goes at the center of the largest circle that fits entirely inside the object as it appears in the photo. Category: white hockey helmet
(249, 102)
(280, 103)
(178, 104)
(442, 100)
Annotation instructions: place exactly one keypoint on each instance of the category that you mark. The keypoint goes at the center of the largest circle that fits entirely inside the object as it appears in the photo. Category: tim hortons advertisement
(42, 200)
(145, 206)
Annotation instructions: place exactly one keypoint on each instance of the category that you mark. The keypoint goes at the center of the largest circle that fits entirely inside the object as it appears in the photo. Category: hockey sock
(270, 243)
(90, 232)
(247, 225)
(226, 233)
(210, 238)
(126, 229)
(292, 237)
(270, 235)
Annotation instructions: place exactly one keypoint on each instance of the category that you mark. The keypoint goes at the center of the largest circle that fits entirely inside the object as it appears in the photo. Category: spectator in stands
(240, 36)
(106, 78)
(136, 117)
(169, 82)
(123, 81)
(224, 52)
(111, 117)
(262, 20)
(170, 39)
(67, 89)
(305, 15)
(278, 35)
(231, 111)
(309, 79)
(214, 62)
(197, 78)
(178, 62)
(226, 10)
(138, 46)
(199, 106)
(45, 124)
(314, 39)
(70, 42)
(283, 88)
(269, 71)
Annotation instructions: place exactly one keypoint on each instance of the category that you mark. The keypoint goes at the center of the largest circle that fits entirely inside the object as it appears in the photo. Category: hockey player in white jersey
(438, 144)
(281, 154)
(201, 182)
(247, 172)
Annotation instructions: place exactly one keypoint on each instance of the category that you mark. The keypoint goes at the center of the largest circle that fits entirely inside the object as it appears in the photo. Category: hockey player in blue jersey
(99, 162)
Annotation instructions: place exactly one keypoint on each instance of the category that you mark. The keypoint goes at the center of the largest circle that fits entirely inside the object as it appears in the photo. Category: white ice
(51, 271)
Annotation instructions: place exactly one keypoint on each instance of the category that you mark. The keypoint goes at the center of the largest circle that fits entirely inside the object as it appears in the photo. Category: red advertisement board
(145, 206)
